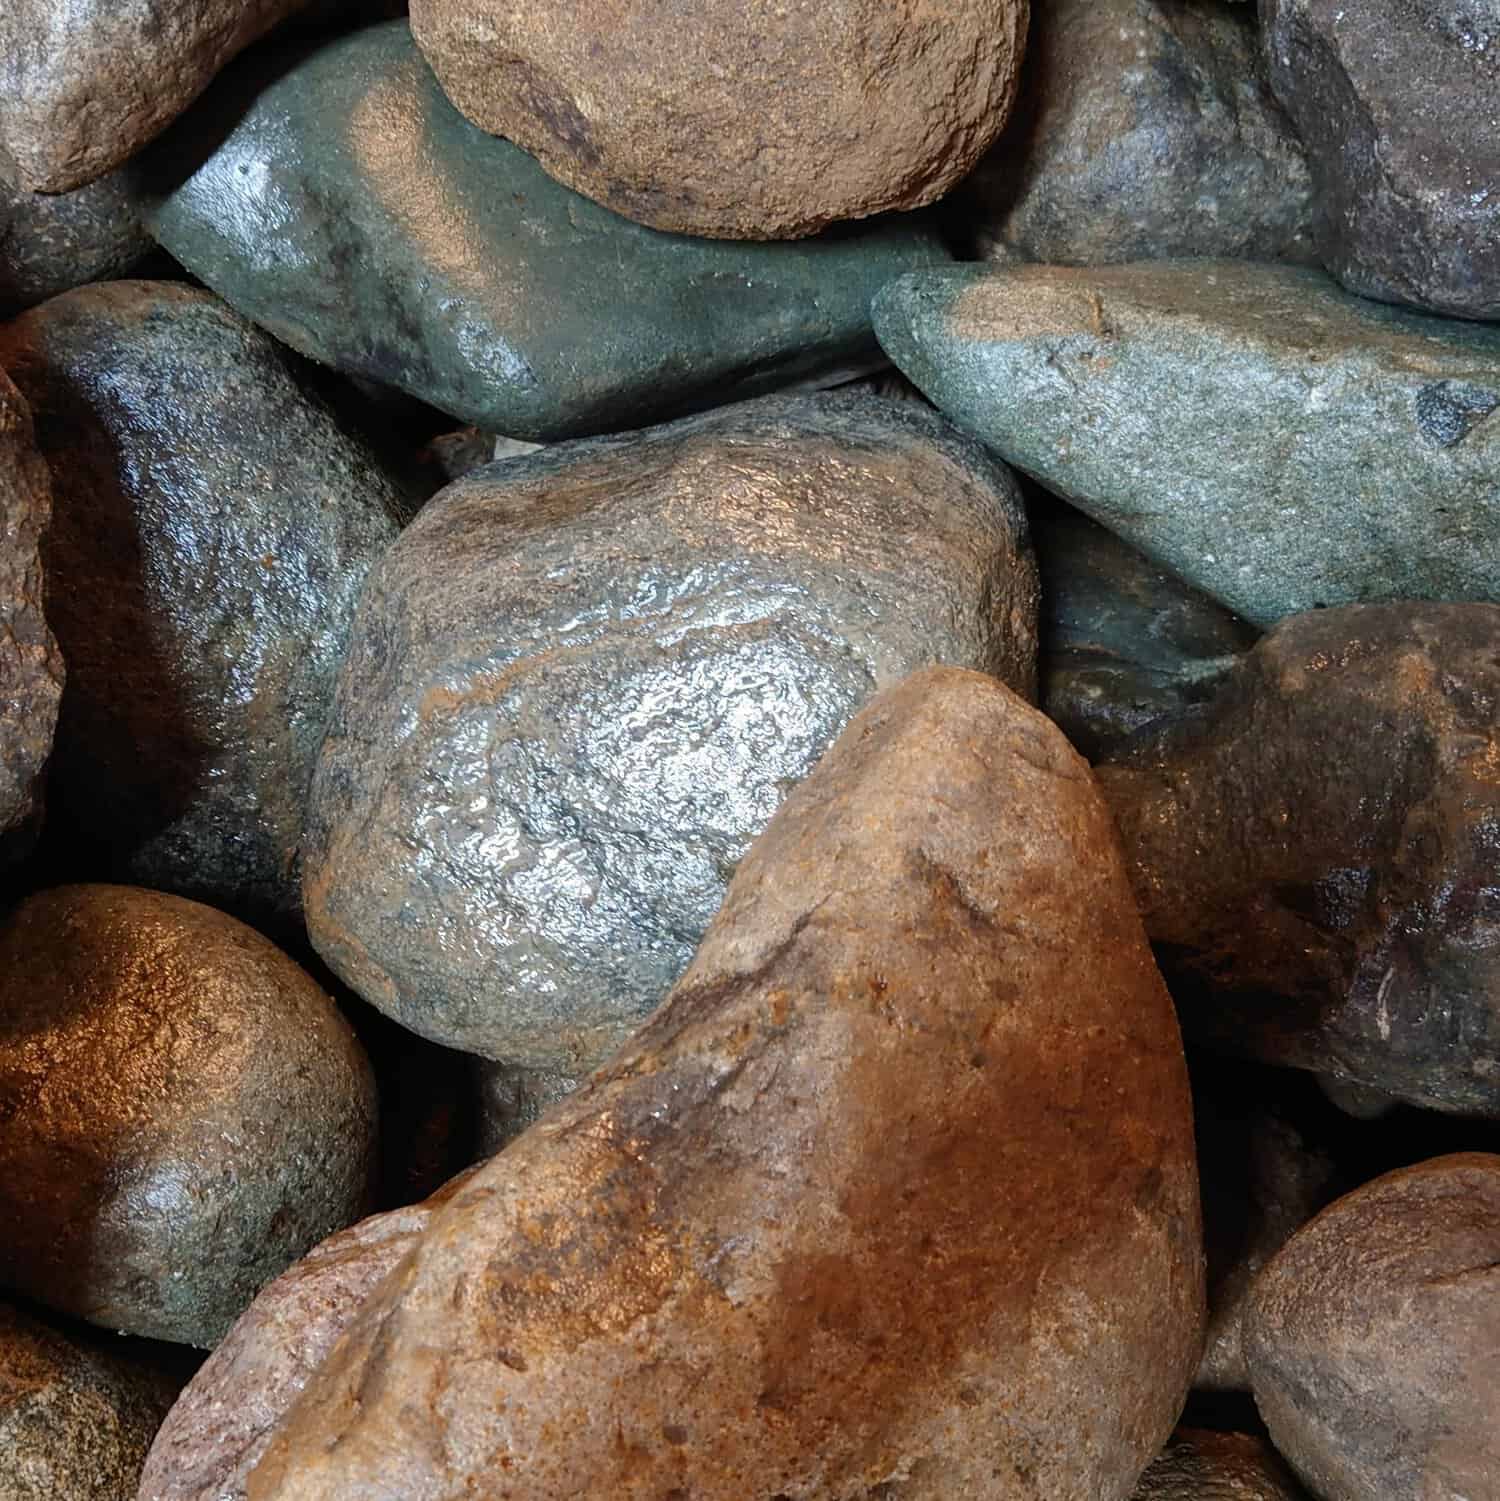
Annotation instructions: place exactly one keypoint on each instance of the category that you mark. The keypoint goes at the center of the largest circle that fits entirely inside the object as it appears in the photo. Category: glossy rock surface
(582, 681)
(351, 210)
(1202, 1465)
(182, 1111)
(941, 1209)
(212, 525)
(1270, 438)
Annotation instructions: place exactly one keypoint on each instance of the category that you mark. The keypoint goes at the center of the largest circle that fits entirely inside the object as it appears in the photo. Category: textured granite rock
(1146, 129)
(351, 210)
(213, 523)
(182, 1111)
(941, 1219)
(1314, 853)
(1374, 1338)
(75, 1420)
(84, 84)
(1203, 1465)
(581, 682)
(1123, 641)
(738, 120)
(1396, 102)
(1265, 435)
(31, 668)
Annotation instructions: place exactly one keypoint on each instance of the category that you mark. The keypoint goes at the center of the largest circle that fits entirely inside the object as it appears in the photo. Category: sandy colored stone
(183, 1112)
(1203, 1465)
(895, 1195)
(738, 119)
(1374, 1338)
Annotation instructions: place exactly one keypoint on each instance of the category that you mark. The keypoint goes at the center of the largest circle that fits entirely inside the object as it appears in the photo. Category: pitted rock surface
(582, 681)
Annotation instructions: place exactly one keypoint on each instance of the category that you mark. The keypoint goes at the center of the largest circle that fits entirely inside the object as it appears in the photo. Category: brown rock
(731, 118)
(183, 1112)
(1374, 1338)
(31, 669)
(895, 1191)
(1202, 1465)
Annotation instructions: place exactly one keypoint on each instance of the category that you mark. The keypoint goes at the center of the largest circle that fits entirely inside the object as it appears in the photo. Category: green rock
(1272, 439)
(347, 207)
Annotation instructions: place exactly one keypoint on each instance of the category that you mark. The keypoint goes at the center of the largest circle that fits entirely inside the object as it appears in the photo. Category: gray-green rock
(351, 210)
(582, 681)
(1267, 436)
(511, 1100)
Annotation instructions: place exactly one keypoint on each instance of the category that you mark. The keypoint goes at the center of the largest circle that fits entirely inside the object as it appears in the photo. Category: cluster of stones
(603, 898)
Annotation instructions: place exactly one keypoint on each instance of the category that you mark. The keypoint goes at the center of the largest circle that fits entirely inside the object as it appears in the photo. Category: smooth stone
(582, 681)
(760, 123)
(1273, 440)
(53, 242)
(352, 211)
(866, 1204)
(1146, 129)
(75, 1419)
(84, 84)
(1123, 641)
(1362, 1101)
(1314, 852)
(1397, 104)
(183, 1112)
(512, 1100)
(212, 525)
(1201, 1464)
(1374, 1338)
(31, 667)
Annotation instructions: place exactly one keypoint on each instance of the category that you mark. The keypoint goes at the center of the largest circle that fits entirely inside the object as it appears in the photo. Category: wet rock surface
(1022, 1315)
(1203, 1465)
(1374, 1337)
(182, 1111)
(1320, 912)
(581, 682)
(1270, 438)
(398, 241)
(201, 584)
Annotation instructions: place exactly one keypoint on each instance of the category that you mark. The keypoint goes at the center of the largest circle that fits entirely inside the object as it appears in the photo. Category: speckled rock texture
(582, 681)
(1374, 1338)
(213, 523)
(1203, 1465)
(1272, 439)
(1146, 129)
(84, 84)
(1396, 100)
(31, 667)
(1314, 854)
(75, 1419)
(735, 118)
(50, 243)
(1123, 641)
(351, 210)
(183, 1112)
(894, 1196)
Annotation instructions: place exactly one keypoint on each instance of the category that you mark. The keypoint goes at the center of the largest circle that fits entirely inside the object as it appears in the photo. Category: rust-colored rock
(894, 1195)
(736, 119)
(1202, 1465)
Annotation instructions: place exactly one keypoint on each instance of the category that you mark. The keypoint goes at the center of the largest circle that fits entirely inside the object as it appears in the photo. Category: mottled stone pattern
(581, 682)
(1322, 910)
(183, 1112)
(874, 1200)
(212, 526)
(1203, 1465)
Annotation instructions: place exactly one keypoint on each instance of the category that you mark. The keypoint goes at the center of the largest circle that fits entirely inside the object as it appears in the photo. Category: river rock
(351, 210)
(31, 669)
(212, 526)
(946, 1224)
(1374, 1338)
(1146, 129)
(1203, 1465)
(1396, 102)
(512, 1100)
(84, 84)
(735, 120)
(1123, 641)
(183, 1112)
(582, 681)
(1273, 440)
(75, 1419)
(1314, 853)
